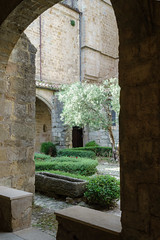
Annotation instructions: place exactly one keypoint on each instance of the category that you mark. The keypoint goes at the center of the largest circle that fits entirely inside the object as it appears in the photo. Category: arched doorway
(43, 124)
(139, 80)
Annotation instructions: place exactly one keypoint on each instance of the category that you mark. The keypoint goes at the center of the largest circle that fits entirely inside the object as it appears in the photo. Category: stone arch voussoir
(17, 21)
(44, 100)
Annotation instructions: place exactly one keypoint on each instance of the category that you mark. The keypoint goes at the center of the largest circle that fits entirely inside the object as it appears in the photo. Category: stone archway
(138, 23)
(17, 132)
(43, 124)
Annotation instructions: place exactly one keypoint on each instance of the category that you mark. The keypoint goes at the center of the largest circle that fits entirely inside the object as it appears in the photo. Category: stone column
(139, 118)
(18, 125)
(61, 134)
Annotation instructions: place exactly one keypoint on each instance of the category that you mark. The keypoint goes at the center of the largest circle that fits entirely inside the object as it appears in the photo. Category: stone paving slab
(26, 234)
(9, 236)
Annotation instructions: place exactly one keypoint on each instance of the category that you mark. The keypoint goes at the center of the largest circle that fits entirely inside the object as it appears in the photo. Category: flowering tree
(90, 104)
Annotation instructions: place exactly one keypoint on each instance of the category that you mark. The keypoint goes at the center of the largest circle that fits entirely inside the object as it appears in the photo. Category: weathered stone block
(85, 224)
(3, 155)
(5, 182)
(129, 197)
(132, 234)
(154, 193)
(138, 221)
(54, 184)
(4, 130)
(4, 169)
(155, 229)
(15, 209)
(143, 198)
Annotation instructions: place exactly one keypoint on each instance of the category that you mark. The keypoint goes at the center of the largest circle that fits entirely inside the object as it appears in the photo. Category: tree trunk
(112, 142)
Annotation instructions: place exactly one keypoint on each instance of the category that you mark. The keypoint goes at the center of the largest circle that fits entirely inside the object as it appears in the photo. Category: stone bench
(81, 223)
(15, 209)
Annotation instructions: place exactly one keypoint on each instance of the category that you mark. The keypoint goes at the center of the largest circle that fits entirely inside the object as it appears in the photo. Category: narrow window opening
(44, 128)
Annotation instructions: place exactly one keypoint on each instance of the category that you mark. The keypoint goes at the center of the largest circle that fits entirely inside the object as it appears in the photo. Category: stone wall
(61, 42)
(61, 134)
(102, 137)
(60, 45)
(17, 138)
(43, 124)
(99, 40)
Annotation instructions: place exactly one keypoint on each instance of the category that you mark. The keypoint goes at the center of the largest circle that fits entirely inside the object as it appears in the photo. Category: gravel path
(109, 168)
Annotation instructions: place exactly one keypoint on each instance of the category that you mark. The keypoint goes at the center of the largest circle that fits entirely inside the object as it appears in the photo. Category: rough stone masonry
(17, 138)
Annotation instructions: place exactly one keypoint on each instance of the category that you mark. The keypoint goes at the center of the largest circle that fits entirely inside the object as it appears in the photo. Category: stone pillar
(85, 135)
(61, 134)
(140, 119)
(18, 119)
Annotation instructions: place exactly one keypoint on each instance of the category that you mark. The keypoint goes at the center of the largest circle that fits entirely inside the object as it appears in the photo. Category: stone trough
(53, 184)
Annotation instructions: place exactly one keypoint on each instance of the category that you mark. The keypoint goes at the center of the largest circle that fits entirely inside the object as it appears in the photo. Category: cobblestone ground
(43, 211)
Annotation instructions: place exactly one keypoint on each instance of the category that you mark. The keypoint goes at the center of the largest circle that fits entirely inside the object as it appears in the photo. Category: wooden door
(77, 137)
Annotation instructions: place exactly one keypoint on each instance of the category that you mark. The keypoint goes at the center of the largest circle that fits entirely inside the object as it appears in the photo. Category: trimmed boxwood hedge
(99, 151)
(78, 153)
(91, 144)
(41, 157)
(49, 148)
(76, 165)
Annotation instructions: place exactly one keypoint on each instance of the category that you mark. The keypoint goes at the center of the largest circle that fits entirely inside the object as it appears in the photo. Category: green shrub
(49, 148)
(82, 166)
(76, 153)
(91, 144)
(102, 191)
(99, 151)
(78, 176)
(41, 157)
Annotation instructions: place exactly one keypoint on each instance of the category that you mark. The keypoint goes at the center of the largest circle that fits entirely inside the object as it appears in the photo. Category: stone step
(26, 234)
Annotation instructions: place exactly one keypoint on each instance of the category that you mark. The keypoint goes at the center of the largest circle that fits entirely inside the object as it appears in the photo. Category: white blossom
(85, 103)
